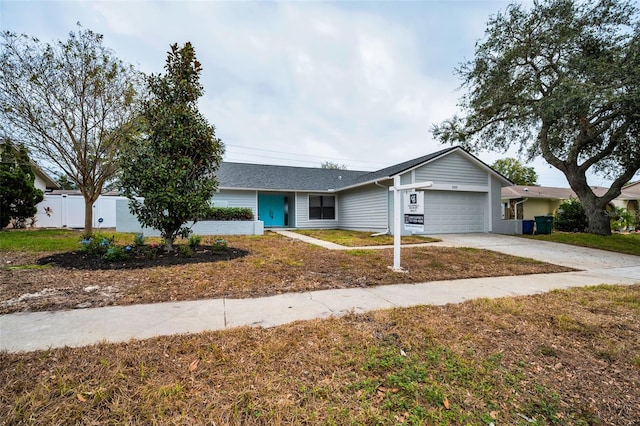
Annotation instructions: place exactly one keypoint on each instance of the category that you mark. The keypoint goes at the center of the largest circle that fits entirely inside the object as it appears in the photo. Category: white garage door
(454, 212)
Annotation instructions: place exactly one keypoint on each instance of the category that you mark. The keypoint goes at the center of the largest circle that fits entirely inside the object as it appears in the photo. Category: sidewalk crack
(224, 311)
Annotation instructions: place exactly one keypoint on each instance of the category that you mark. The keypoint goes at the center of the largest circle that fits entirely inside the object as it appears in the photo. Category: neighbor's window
(322, 207)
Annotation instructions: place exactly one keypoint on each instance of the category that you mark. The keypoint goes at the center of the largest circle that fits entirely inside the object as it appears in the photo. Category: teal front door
(271, 210)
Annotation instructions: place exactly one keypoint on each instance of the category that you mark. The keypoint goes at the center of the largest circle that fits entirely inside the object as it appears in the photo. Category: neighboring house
(465, 196)
(526, 202)
(630, 199)
(43, 181)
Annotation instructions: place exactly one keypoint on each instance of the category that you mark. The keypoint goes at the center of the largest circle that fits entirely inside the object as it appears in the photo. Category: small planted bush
(185, 251)
(220, 245)
(98, 244)
(138, 240)
(117, 253)
(194, 240)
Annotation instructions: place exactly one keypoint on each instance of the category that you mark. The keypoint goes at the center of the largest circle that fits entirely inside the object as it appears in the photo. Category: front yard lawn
(620, 243)
(562, 358)
(273, 264)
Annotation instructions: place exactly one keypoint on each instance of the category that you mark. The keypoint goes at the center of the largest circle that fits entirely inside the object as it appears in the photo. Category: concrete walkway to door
(41, 330)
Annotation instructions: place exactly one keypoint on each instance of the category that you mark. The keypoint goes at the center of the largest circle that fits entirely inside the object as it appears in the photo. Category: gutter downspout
(387, 231)
(515, 212)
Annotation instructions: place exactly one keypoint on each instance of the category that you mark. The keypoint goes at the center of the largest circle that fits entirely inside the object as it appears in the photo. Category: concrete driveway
(560, 254)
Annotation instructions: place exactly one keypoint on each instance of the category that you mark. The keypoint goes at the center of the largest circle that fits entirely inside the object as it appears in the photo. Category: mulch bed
(78, 260)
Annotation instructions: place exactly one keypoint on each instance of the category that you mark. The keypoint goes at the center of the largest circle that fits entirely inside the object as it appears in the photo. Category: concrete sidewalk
(42, 330)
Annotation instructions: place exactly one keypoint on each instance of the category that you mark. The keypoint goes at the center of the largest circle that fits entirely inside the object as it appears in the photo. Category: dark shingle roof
(286, 178)
(283, 178)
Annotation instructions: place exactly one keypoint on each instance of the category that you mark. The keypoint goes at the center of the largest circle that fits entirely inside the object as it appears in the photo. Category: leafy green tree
(18, 195)
(71, 103)
(172, 163)
(558, 79)
(517, 172)
(65, 183)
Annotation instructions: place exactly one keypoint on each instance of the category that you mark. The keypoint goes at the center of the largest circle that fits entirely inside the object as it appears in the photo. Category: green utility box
(544, 224)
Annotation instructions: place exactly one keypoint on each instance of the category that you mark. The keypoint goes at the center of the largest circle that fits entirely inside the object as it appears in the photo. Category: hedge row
(229, 213)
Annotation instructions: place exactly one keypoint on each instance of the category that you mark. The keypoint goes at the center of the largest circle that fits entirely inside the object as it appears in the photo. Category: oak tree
(559, 80)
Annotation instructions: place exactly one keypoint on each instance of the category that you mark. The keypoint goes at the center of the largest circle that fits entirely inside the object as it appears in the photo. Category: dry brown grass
(275, 265)
(567, 357)
(361, 239)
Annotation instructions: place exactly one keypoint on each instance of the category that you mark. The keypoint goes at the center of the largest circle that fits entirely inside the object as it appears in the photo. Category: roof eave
(237, 188)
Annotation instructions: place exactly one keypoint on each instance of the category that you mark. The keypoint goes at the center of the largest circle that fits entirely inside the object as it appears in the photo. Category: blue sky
(299, 83)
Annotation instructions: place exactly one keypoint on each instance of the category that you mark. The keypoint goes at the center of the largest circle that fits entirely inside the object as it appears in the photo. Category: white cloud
(359, 83)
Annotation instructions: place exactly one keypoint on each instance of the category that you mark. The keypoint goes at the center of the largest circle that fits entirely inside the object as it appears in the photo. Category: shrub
(138, 240)
(116, 253)
(571, 216)
(621, 219)
(194, 240)
(229, 213)
(220, 245)
(98, 244)
(185, 251)
(151, 252)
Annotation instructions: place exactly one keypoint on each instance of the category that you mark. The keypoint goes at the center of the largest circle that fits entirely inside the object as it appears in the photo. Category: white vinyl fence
(67, 211)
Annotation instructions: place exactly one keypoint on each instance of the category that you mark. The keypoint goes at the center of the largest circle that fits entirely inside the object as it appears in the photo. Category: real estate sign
(414, 211)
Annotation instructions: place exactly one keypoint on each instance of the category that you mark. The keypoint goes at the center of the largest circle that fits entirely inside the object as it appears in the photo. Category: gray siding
(364, 209)
(301, 212)
(453, 168)
(499, 225)
(235, 198)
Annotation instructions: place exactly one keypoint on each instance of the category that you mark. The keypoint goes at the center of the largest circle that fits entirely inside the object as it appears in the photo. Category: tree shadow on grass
(84, 261)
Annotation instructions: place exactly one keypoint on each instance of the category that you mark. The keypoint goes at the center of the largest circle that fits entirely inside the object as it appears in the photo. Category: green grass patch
(620, 243)
(50, 240)
(359, 238)
(20, 267)
(41, 240)
(359, 252)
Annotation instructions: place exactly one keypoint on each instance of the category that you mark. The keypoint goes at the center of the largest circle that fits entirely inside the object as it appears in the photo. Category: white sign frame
(414, 211)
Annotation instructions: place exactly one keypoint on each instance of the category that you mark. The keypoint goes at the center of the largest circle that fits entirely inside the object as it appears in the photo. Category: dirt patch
(266, 265)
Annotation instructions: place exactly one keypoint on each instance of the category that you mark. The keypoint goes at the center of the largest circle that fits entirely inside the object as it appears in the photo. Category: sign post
(418, 216)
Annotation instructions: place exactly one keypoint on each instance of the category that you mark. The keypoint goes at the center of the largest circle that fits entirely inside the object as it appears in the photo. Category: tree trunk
(599, 222)
(594, 206)
(88, 217)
